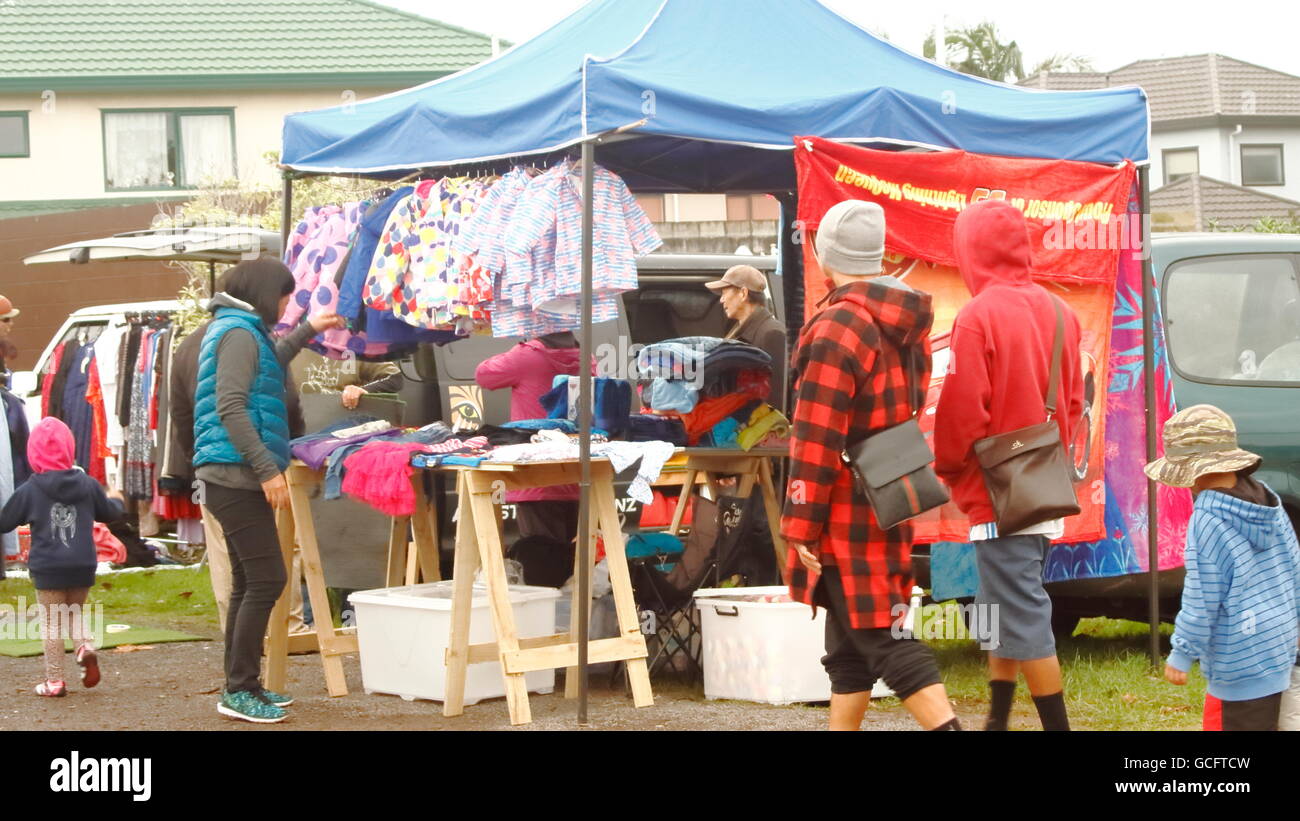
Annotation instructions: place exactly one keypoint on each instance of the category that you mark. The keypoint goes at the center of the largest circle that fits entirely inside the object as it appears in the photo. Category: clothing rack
(151, 318)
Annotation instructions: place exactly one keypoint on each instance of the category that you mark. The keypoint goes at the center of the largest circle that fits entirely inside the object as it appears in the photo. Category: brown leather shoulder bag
(1026, 471)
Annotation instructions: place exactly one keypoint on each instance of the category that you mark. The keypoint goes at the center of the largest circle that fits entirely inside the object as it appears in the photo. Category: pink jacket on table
(528, 369)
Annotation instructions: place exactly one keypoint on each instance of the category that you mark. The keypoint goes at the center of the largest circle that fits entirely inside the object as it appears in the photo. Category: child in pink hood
(528, 369)
(61, 503)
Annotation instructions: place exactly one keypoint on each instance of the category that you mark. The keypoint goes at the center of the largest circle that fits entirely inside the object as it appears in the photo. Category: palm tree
(1063, 62)
(980, 53)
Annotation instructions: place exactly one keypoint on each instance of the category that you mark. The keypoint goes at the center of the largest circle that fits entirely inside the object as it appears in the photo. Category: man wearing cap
(859, 361)
(7, 350)
(743, 294)
(1241, 594)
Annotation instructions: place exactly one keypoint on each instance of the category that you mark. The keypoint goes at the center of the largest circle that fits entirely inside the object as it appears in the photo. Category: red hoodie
(528, 369)
(1001, 352)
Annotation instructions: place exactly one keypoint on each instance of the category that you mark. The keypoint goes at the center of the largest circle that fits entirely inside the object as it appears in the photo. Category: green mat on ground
(18, 648)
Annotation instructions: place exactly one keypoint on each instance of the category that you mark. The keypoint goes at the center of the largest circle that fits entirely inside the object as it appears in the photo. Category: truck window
(671, 307)
(1235, 318)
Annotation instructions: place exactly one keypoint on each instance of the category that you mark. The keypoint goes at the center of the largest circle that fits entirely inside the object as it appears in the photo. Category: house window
(1261, 165)
(13, 134)
(653, 205)
(752, 207)
(167, 149)
(1181, 162)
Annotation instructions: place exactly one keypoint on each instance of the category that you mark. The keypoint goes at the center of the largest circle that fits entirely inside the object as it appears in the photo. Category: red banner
(918, 226)
(1075, 210)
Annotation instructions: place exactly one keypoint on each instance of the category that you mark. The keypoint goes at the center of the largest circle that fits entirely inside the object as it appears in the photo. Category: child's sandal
(52, 689)
(89, 663)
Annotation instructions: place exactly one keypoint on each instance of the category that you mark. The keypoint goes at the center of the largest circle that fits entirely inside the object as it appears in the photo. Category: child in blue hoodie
(1241, 595)
(62, 504)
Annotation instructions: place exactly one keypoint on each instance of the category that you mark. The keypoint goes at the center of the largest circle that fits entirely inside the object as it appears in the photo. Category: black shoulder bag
(893, 468)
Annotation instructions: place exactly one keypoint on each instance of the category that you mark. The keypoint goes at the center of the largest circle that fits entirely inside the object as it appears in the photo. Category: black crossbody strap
(915, 389)
(1058, 342)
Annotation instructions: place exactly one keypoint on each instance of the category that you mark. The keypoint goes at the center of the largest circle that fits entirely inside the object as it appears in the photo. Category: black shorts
(1254, 714)
(856, 657)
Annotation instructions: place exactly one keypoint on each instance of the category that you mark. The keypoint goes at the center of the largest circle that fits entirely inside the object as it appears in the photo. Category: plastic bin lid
(738, 592)
(437, 595)
(744, 595)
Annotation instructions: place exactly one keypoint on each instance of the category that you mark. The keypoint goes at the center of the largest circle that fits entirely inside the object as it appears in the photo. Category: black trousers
(257, 578)
(556, 520)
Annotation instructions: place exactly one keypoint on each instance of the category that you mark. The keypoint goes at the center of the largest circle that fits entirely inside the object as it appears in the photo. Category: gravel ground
(175, 687)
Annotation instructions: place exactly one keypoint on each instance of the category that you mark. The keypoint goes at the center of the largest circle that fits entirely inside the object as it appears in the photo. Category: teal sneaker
(272, 697)
(246, 706)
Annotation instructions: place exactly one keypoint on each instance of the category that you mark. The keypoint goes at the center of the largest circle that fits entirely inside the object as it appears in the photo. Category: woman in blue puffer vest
(241, 450)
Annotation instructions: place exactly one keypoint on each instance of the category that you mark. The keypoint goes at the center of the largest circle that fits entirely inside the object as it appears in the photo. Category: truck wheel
(1064, 623)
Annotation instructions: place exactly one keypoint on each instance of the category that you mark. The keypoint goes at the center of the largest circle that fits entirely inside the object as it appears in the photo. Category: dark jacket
(762, 330)
(178, 473)
(62, 507)
(853, 381)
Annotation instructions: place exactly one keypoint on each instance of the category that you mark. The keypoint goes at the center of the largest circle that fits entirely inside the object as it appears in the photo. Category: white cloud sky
(1110, 32)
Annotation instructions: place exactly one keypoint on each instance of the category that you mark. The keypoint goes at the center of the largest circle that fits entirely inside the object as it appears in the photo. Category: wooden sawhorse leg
(620, 579)
(424, 530)
(332, 644)
(683, 499)
(465, 565)
(492, 560)
(773, 508)
(277, 644)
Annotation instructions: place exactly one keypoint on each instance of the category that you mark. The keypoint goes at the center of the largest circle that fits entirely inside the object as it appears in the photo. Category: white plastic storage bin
(402, 633)
(768, 652)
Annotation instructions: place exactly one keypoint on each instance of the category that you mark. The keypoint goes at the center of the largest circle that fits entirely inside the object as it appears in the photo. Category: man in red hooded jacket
(1001, 355)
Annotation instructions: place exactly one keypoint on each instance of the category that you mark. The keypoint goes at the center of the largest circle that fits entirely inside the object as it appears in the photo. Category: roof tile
(1198, 86)
(179, 38)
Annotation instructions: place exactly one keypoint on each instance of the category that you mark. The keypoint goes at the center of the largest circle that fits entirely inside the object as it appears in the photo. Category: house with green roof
(111, 102)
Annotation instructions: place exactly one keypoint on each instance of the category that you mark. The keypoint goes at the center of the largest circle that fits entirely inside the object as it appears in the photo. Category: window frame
(1164, 161)
(173, 138)
(1165, 280)
(25, 117)
(1281, 163)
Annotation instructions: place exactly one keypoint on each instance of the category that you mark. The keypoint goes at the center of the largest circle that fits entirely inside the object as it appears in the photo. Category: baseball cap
(739, 276)
(851, 238)
(7, 309)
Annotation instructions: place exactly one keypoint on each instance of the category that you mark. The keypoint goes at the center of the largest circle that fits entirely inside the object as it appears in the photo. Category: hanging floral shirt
(392, 256)
(548, 222)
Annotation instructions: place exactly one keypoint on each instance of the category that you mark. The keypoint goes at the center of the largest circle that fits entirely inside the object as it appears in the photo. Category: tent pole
(212, 278)
(286, 213)
(583, 594)
(1149, 383)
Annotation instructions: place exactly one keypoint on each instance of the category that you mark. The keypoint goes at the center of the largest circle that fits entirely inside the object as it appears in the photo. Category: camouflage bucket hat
(1199, 440)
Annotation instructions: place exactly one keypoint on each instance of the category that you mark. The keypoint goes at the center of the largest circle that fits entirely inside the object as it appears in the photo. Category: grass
(172, 599)
(1110, 683)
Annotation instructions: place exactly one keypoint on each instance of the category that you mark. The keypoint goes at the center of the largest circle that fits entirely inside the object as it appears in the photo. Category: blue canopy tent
(722, 87)
(680, 96)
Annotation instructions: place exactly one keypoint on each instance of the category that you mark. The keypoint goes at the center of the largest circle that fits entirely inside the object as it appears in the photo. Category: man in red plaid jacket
(858, 361)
